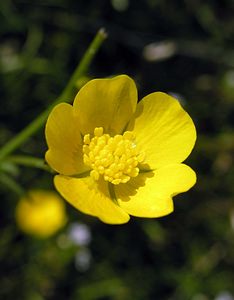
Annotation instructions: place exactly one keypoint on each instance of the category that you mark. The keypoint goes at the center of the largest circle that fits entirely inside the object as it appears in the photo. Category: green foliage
(186, 255)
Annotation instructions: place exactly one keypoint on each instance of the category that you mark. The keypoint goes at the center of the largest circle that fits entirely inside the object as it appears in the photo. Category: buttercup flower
(40, 213)
(117, 158)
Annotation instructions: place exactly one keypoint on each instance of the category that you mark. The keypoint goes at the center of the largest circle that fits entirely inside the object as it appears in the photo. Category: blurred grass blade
(29, 161)
(11, 184)
(66, 96)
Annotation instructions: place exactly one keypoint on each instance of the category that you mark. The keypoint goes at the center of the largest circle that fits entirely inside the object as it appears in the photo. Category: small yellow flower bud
(40, 213)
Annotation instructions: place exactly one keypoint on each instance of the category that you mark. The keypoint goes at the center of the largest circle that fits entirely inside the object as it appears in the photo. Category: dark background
(186, 255)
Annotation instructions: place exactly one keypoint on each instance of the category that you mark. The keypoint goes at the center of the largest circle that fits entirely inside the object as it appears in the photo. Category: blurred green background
(179, 47)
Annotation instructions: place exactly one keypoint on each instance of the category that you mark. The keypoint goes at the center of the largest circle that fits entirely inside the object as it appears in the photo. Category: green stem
(10, 183)
(29, 161)
(66, 96)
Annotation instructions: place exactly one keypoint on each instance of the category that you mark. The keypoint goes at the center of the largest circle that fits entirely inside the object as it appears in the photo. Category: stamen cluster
(116, 158)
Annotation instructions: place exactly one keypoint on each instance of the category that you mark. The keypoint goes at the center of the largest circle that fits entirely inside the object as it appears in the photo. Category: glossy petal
(163, 130)
(91, 197)
(150, 194)
(107, 103)
(64, 141)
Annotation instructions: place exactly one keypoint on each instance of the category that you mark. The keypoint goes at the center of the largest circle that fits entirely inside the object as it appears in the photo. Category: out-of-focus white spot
(159, 51)
(9, 59)
(83, 260)
(79, 234)
(224, 295)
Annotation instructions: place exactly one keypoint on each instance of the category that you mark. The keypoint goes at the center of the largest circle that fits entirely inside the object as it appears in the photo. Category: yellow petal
(163, 130)
(150, 194)
(107, 103)
(64, 141)
(91, 197)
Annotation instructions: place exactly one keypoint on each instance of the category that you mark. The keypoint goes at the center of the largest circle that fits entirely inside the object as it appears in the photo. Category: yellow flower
(117, 158)
(40, 213)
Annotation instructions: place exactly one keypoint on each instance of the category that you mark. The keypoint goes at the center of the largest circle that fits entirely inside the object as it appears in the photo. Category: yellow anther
(94, 174)
(87, 139)
(98, 131)
(116, 158)
(128, 135)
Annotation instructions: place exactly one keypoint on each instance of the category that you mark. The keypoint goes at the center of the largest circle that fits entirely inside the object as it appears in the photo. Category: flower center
(116, 158)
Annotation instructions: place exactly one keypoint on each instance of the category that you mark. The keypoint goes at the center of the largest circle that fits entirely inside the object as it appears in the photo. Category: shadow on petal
(130, 189)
